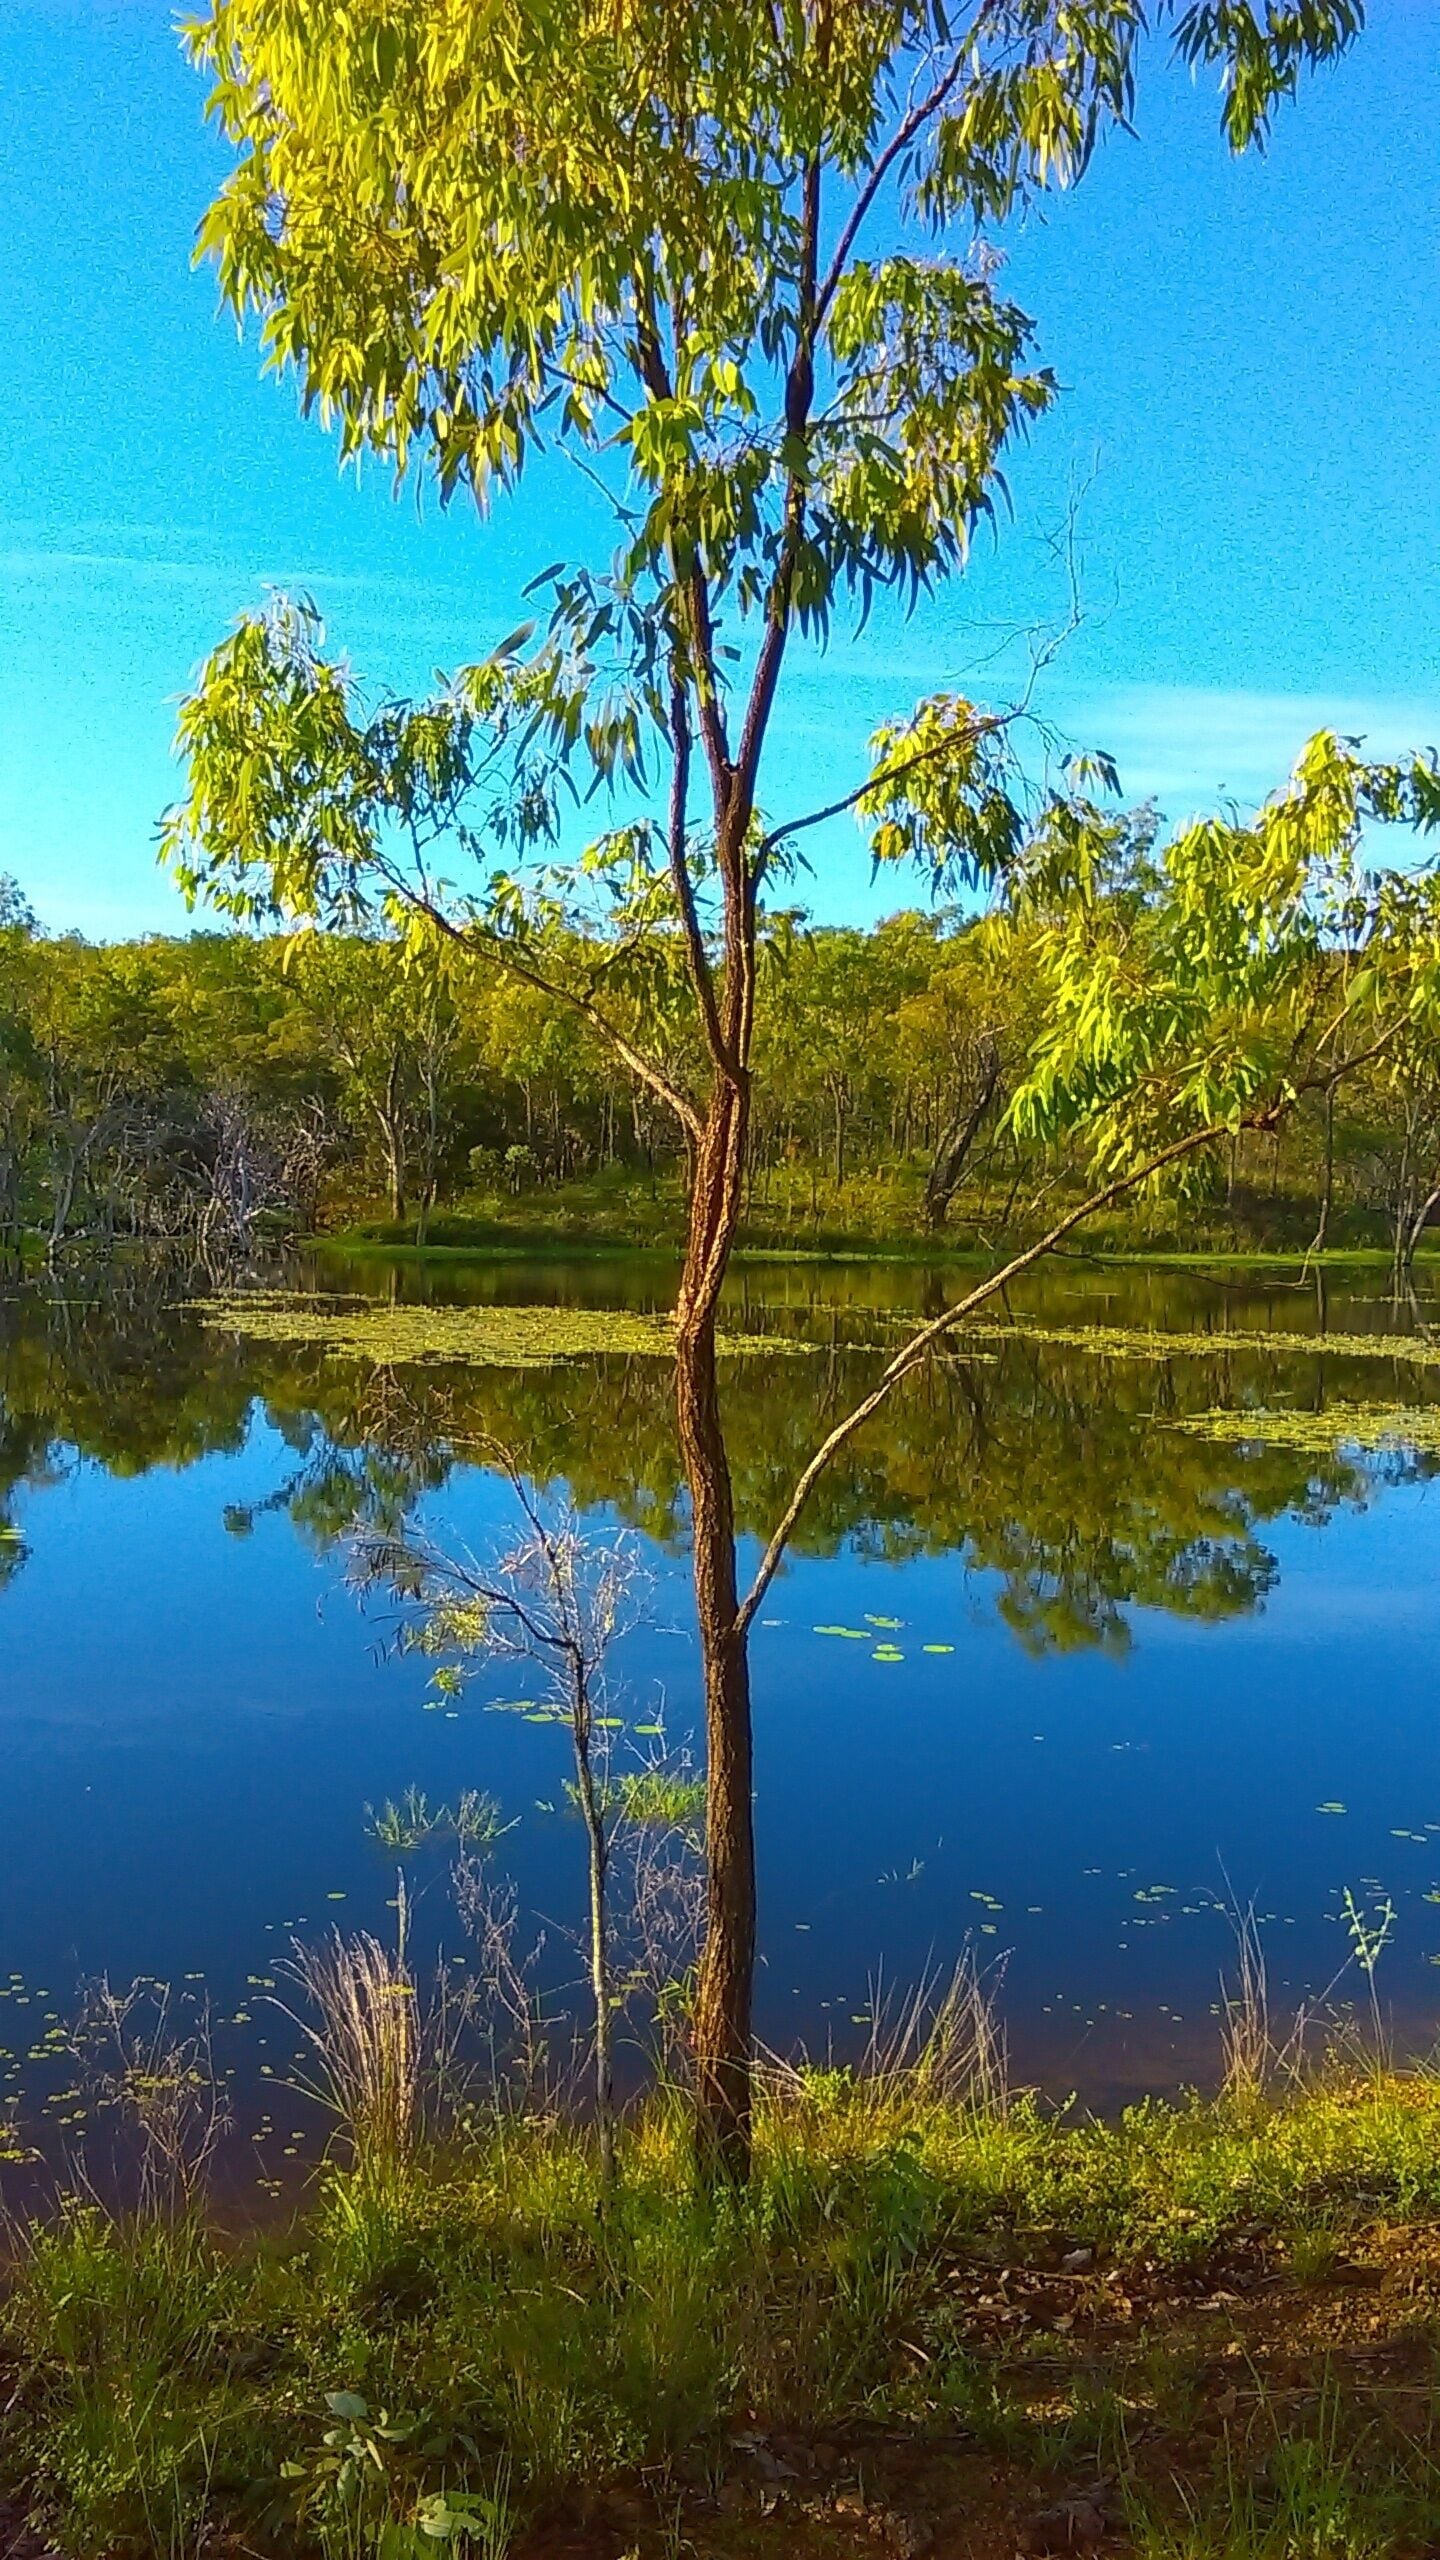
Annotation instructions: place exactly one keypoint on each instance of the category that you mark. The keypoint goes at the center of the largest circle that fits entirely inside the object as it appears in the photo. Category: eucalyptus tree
(388, 1028)
(22, 1074)
(17, 916)
(707, 252)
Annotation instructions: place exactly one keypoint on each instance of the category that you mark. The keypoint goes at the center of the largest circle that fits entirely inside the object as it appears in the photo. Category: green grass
(474, 1819)
(658, 1798)
(663, 1798)
(464, 2332)
(875, 1215)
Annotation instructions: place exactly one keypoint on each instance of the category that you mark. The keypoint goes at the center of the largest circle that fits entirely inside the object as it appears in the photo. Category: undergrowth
(454, 2336)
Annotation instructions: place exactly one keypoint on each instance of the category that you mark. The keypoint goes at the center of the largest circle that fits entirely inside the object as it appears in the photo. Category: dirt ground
(1201, 2375)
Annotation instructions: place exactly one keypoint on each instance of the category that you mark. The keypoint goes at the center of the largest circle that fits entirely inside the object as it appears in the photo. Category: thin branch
(474, 936)
(655, 375)
(921, 1344)
(700, 969)
(899, 142)
(641, 1067)
(890, 773)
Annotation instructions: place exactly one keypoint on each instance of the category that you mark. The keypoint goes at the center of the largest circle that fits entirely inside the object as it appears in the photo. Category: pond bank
(452, 1237)
(932, 2324)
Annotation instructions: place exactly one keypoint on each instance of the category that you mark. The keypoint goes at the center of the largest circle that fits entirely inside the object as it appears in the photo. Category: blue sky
(1251, 355)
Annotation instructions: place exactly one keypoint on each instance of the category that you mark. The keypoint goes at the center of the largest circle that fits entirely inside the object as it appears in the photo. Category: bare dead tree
(558, 1600)
(977, 1090)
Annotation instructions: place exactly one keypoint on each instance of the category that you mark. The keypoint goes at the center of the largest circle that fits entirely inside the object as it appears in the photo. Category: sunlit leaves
(1262, 52)
(942, 793)
(472, 229)
(1189, 985)
(647, 234)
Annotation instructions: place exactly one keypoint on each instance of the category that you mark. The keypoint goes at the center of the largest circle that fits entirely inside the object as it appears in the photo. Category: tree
(644, 233)
(22, 1081)
(387, 1027)
(559, 1603)
(16, 913)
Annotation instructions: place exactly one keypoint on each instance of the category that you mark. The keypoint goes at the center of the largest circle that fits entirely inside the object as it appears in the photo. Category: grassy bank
(1210, 2329)
(870, 1218)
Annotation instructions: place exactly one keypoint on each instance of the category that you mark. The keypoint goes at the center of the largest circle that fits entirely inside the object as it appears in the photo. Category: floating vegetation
(476, 1820)
(1326, 1434)
(528, 1337)
(409, 1824)
(1130, 1342)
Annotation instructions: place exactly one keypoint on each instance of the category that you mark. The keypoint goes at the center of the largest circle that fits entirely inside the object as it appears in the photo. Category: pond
(1048, 1669)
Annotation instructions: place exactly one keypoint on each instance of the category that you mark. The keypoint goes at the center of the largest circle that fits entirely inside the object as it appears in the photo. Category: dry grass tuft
(368, 2037)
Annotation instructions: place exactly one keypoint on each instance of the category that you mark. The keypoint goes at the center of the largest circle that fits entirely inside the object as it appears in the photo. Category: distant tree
(16, 913)
(703, 249)
(386, 1020)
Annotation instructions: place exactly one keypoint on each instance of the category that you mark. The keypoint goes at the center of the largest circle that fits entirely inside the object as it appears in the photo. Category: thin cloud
(1191, 747)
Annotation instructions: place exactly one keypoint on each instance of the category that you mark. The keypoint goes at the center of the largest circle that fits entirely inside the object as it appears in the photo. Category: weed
(366, 2037)
(474, 1820)
(454, 2339)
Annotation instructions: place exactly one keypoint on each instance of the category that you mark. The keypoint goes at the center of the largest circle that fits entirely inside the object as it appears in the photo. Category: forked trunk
(727, 1963)
(952, 1151)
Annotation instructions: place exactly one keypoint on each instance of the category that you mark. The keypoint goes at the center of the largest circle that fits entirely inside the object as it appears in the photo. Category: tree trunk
(840, 1103)
(1403, 1214)
(582, 1731)
(63, 1204)
(958, 1137)
(395, 1171)
(727, 1963)
(1419, 1222)
(389, 1116)
(1327, 1187)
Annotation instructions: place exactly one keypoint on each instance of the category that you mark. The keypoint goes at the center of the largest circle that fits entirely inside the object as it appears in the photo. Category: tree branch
(899, 142)
(940, 747)
(699, 958)
(921, 1344)
(655, 375)
(476, 936)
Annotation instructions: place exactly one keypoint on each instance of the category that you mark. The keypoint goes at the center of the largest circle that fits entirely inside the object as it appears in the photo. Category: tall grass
(469, 2328)
(366, 2036)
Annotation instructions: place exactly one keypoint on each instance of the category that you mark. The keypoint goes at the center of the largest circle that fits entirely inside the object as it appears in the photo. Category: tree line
(219, 1089)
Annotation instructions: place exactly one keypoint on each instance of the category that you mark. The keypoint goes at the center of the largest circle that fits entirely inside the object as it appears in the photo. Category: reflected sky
(1161, 1657)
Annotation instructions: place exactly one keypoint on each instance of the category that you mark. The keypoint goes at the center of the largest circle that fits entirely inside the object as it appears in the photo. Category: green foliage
(1231, 970)
(640, 235)
(654, 1798)
(474, 1821)
(477, 2344)
(124, 1068)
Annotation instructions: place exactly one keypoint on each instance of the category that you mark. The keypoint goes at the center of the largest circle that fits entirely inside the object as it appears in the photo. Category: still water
(1104, 1674)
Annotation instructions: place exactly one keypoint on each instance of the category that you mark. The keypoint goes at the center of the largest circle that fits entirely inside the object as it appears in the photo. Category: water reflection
(1128, 1657)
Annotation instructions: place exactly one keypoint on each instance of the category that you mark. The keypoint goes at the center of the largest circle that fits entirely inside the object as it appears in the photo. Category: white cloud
(1192, 747)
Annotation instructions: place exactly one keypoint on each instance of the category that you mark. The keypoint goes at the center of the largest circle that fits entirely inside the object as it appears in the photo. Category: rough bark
(727, 1964)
